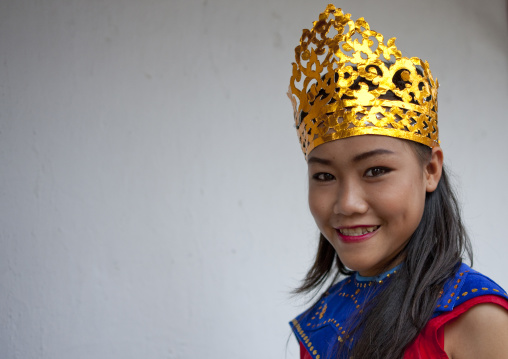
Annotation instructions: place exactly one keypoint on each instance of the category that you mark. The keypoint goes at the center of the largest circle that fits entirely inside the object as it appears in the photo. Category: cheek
(403, 203)
(320, 205)
(417, 203)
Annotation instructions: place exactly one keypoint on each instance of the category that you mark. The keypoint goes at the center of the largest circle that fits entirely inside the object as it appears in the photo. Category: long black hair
(395, 316)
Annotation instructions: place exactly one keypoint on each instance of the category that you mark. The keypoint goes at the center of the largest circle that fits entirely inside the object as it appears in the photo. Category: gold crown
(350, 87)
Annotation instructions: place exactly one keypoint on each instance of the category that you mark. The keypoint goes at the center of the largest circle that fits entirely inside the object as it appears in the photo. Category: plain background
(152, 188)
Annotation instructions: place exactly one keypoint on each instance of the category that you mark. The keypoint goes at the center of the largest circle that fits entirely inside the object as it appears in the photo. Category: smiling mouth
(358, 231)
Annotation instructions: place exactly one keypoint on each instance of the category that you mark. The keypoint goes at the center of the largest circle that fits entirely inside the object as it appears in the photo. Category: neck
(378, 277)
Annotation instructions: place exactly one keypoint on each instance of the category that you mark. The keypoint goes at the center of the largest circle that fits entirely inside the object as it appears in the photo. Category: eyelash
(383, 170)
(375, 172)
(328, 176)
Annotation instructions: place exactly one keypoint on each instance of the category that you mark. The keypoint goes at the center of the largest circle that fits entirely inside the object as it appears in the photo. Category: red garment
(429, 344)
(304, 354)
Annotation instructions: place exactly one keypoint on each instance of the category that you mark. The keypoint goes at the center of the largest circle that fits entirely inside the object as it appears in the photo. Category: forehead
(352, 147)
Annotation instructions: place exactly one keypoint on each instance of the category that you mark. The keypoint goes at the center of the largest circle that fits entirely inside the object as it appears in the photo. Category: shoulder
(480, 332)
(326, 319)
(467, 284)
(479, 319)
(462, 318)
(332, 294)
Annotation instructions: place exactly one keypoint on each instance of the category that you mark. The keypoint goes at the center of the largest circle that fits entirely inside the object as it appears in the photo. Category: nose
(351, 199)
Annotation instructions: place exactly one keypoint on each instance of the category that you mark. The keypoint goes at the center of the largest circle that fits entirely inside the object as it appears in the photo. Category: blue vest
(323, 327)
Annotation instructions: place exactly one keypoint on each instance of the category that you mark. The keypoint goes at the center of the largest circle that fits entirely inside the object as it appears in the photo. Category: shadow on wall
(494, 29)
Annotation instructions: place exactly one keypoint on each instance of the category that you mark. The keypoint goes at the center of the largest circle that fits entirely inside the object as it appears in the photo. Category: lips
(356, 233)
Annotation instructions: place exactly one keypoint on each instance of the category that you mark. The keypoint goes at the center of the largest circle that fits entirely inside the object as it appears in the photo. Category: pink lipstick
(356, 234)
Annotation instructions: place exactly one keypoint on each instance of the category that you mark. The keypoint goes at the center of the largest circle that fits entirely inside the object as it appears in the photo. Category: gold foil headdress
(353, 84)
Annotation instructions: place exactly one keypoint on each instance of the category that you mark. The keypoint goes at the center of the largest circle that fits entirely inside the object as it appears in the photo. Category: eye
(376, 171)
(323, 177)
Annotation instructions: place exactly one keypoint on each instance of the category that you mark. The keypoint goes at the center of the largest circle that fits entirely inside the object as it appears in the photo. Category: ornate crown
(353, 84)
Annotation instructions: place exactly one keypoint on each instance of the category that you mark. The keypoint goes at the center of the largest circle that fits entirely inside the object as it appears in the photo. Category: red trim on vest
(304, 354)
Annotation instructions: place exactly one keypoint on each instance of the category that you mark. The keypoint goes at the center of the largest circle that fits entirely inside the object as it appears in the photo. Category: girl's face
(367, 195)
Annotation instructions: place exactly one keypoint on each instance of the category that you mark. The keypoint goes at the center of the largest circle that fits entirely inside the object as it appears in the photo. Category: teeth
(357, 231)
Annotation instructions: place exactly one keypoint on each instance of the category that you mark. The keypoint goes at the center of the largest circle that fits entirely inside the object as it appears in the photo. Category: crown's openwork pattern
(352, 83)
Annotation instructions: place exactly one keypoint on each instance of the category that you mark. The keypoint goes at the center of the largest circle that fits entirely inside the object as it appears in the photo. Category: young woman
(389, 221)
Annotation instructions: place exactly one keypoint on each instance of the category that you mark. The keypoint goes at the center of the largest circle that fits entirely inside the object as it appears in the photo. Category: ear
(433, 169)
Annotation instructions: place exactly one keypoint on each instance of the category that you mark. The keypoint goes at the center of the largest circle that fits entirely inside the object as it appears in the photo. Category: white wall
(152, 189)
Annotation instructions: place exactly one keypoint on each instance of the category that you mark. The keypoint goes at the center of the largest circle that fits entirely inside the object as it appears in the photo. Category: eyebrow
(377, 152)
(357, 158)
(318, 160)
